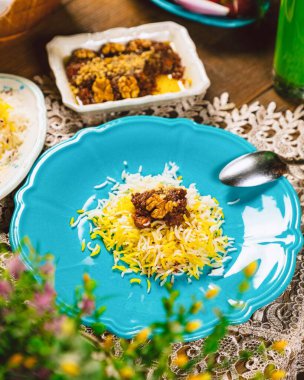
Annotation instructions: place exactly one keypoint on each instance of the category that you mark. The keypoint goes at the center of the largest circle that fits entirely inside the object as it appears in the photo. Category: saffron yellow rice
(12, 128)
(160, 251)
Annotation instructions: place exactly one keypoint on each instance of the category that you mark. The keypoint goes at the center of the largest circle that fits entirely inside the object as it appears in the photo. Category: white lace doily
(266, 129)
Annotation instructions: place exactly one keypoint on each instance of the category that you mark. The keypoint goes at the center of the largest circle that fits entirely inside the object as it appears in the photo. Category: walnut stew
(168, 205)
(119, 71)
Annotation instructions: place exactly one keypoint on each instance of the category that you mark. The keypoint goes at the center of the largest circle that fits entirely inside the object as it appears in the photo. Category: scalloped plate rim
(42, 121)
(251, 306)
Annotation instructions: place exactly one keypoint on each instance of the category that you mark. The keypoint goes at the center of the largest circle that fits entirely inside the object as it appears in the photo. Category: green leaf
(101, 310)
(245, 355)
(4, 248)
(244, 286)
(259, 376)
(98, 328)
(262, 348)
(212, 342)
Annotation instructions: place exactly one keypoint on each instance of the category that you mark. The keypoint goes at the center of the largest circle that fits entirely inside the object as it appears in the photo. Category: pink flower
(15, 267)
(5, 288)
(44, 301)
(55, 325)
(87, 305)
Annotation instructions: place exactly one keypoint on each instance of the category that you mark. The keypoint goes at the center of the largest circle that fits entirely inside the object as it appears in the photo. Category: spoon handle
(292, 161)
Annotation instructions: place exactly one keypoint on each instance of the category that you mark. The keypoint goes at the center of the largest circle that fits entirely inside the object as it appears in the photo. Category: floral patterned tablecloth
(267, 129)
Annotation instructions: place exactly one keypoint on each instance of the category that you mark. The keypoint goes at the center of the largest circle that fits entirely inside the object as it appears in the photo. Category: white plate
(31, 100)
(61, 46)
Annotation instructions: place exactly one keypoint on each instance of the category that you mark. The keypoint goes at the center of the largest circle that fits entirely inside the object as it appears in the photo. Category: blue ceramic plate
(222, 22)
(265, 221)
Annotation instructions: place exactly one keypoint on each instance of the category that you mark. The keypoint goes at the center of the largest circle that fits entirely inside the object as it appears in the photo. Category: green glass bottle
(289, 51)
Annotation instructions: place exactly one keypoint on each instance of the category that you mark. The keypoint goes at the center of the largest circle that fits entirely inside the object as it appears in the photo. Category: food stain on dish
(156, 228)
(119, 71)
(14, 123)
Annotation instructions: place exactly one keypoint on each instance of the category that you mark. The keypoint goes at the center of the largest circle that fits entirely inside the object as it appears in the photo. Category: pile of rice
(160, 251)
(12, 128)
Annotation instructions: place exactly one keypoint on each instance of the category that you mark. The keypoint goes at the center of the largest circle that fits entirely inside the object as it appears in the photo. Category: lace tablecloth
(266, 129)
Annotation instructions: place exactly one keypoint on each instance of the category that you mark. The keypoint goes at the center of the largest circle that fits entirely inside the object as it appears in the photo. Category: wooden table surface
(238, 61)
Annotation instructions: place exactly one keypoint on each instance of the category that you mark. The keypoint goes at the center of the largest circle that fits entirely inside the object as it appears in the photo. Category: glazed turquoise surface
(265, 221)
(222, 22)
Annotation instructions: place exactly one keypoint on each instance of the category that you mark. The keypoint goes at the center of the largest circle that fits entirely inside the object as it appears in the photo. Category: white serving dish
(31, 100)
(62, 46)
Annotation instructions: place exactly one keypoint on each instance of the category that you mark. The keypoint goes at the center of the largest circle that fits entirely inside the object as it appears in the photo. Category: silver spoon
(256, 169)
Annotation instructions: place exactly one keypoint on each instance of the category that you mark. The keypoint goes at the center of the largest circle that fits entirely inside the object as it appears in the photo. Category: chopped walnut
(141, 221)
(158, 206)
(168, 205)
(102, 90)
(112, 48)
(154, 201)
(163, 209)
(133, 70)
(138, 45)
(84, 54)
(128, 87)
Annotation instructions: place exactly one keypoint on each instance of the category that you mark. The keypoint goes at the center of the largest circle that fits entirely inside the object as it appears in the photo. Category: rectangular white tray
(61, 46)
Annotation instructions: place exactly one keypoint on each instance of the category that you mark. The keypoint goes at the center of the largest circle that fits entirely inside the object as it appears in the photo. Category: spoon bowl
(256, 168)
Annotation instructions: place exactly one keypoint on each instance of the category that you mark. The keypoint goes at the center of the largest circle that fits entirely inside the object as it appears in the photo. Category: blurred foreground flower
(15, 266)
(47, 344)
(193, 325)
(181, 360)
(143, 335)
(279, 345)
(15, 360)
(212, 292)
(278, 375)
(70, 368)
(30, 362)
(5, 288)
(127, 373)
(87, 305)
(250, 270)
(44, 301)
